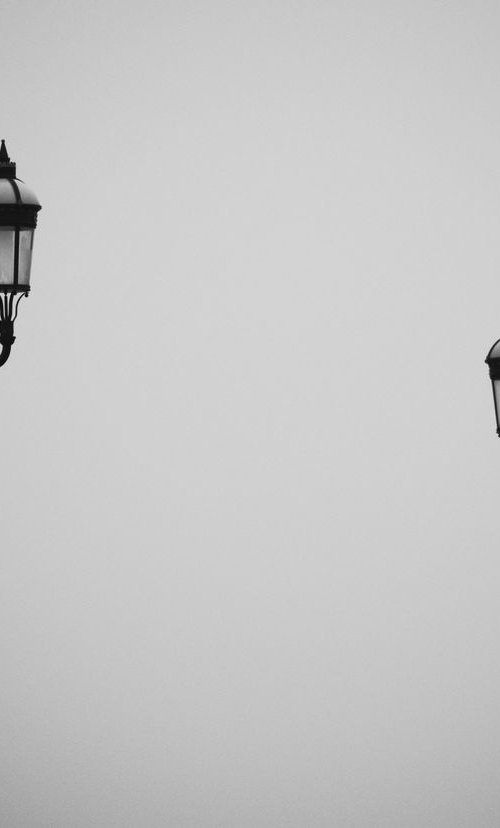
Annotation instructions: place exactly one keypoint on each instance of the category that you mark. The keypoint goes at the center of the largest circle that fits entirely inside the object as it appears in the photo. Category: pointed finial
(4, 155)
(7, 167)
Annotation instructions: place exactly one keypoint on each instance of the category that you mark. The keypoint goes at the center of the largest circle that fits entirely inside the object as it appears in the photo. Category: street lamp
(493, 362)
(18, 213)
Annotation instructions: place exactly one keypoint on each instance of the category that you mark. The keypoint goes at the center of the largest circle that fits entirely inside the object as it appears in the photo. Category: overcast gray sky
(249, 514)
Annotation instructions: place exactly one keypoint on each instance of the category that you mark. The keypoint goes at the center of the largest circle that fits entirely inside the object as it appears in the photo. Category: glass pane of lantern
(26, 238)
(496, 392)
(6, 255)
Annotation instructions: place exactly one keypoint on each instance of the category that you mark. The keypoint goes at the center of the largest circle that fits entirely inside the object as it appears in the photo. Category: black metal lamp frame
(493, 364)
(20, 216)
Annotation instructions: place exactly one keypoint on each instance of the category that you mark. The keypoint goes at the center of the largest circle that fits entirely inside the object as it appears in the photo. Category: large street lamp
(18, 213)
(493, 362)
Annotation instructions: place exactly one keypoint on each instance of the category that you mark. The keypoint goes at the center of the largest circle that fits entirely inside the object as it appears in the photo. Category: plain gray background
(249, 513)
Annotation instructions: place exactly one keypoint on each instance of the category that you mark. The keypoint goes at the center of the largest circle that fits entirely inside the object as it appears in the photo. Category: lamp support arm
(6, 339)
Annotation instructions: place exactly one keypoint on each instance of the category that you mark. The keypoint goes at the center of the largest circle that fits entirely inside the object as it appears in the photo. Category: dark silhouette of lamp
(19, 207)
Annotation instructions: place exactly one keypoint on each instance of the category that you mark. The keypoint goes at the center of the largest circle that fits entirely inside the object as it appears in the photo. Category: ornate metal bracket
(8, 315)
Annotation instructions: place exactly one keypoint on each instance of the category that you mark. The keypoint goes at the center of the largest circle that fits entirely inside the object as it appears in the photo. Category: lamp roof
(15, 191)
(494, 352)
(12, 189)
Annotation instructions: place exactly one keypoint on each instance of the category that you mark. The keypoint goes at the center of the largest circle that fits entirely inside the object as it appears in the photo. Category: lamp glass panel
(26, 238)
(496, 392)
(6, 255)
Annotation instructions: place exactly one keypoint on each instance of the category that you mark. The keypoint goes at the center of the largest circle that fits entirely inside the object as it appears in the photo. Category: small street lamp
(493, 363)
(18, 214)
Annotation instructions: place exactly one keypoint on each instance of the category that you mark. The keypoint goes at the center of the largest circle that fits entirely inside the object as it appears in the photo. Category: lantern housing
(493, 362)
(19, 207)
